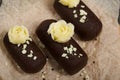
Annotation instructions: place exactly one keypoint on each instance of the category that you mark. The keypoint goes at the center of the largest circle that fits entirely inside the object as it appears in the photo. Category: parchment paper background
(105, 51)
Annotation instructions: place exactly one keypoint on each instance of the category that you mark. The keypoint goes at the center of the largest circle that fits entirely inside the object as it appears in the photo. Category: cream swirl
(61, 31)
(18, 35)
(70, 3)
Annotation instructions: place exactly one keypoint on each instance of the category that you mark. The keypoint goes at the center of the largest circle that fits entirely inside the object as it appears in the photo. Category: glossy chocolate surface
(71, 64)
(87, 30)
(31, 62)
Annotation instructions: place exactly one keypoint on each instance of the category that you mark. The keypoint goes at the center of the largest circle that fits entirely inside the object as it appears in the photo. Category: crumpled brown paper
(104, 53)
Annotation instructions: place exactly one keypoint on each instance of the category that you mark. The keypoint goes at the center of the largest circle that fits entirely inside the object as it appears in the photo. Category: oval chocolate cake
(68, 54)
(87, 25)
(27, 55)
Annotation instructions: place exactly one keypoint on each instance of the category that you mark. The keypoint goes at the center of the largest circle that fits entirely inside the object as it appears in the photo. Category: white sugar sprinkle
(65, 48)
(64, 55)
(75, 15)
(82, 20)
(70, 49)
(75, 54)
(24, 46)
(74, 11)
(27, 42)
(81, 55)
(18, 45)
(83, 12)
(30, 39)
(75, 49)
(30, 55)
(82, 6)
(31, 51)
(24, 51)
(71, 46)
(35, 57)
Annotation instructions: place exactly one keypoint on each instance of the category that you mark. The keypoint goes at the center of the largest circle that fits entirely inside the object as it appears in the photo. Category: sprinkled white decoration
(35, 57)
(64, 55)
(82, 6)
(30, 55)
(83, 12)
(24, 46)
(82, 20)
(75, 15)
(18, 45)
(24, 51)
(65, 48)
(31, 51)
(74, 49)
(71, 46)
(27, 42)
(81, 55)
(74, 11)
(70, 50)
(75, 54)
(30, 39)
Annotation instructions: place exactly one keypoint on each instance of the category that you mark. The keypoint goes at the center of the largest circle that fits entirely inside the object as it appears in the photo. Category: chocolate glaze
(71, 65)
(27, 64)
(86, 31)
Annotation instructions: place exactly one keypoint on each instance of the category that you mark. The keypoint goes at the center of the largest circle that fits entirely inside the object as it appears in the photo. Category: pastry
(57, 37)
(23, 50)
(87, 25)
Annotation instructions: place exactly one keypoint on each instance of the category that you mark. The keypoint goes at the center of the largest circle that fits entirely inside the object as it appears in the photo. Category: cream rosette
(18, 35)
(61, 31)
(70, 3)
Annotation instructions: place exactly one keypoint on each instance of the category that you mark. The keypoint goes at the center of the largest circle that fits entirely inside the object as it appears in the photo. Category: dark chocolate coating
(27, 64)
(71, 65)
(119, 17)
(86, 31)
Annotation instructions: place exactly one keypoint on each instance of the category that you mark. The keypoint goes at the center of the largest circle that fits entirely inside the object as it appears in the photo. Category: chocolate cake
(71, 62)
(87, 25)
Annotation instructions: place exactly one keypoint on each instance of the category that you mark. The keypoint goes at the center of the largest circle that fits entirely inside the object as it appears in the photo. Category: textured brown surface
(105, 51)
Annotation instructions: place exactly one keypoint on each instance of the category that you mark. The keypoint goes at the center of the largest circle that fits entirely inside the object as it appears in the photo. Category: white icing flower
(70, 3)
(18, 35)
(61, 31)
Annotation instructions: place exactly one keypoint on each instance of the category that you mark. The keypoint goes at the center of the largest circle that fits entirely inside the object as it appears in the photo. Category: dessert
(23, 50)
(57, 37)
(87, 25)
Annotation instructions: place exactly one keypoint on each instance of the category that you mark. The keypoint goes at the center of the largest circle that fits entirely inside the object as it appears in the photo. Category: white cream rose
(61, 31)
(18, 35)
(70, 3)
